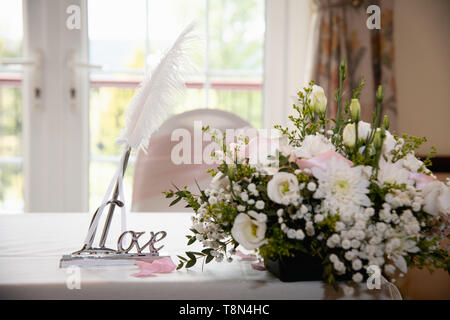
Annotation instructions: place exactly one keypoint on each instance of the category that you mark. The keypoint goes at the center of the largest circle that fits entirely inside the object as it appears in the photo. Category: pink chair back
(155, 172)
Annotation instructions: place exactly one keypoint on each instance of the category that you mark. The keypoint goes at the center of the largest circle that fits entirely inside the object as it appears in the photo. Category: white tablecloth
(32, 244)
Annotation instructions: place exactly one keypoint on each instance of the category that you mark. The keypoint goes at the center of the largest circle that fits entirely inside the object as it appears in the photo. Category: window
(11, 150)
(127, 42)
(63, 90)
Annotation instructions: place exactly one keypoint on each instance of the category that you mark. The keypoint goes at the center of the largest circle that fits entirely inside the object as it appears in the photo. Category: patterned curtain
(342, 33)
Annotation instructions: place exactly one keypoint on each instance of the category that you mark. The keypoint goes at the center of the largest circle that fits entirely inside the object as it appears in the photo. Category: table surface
(31, 245)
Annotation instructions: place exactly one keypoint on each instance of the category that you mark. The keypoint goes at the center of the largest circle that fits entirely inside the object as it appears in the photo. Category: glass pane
(11, 170)
(166, 19)
(116, 33)
(194, 98)
(245, 103)
(11, 30)
(100, 175)
(236, 34)
(10, 122)
(107, 106)
(11, 191)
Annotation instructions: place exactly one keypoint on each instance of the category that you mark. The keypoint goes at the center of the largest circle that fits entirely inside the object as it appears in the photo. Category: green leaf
(175, 201)
(182, 258)
(209, 258)
(190, 263)
(191, 255)
(207, 251)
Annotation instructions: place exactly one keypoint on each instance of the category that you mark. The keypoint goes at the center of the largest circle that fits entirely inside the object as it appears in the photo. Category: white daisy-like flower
(314, 145)
(343, 188)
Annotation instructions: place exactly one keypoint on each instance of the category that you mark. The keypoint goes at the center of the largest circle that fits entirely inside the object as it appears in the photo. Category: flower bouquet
(336, 198)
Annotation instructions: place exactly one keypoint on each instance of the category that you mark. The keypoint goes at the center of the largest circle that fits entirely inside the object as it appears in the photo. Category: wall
(422, 40)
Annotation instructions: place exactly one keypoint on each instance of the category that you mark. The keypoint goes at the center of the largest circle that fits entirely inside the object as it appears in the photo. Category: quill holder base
(93, 257)
(101, 260)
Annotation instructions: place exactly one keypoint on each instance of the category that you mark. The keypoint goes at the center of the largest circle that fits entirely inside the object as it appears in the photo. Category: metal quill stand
(112, 205)
(89, 256)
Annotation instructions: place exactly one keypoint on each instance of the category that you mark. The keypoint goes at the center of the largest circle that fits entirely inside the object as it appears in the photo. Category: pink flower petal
(149, 267)
(259, 266)
(421, 179)
(245, 257)
(321, 161)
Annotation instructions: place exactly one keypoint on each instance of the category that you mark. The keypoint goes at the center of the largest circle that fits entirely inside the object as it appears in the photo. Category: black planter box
(301, 267)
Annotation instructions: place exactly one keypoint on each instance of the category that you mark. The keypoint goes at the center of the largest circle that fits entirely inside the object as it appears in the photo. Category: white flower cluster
(364, 214)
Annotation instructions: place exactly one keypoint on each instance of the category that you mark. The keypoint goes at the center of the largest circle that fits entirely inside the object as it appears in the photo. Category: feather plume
(157, 94)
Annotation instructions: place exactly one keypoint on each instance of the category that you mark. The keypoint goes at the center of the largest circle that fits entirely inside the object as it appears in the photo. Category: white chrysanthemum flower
(392, 173)
(343, 188)
(313, 145)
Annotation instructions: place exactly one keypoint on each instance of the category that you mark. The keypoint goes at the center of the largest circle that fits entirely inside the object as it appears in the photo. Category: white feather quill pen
(158, 94)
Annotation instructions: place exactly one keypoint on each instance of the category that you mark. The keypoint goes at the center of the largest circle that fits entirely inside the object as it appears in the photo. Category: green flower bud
(386, 122)
(355, 109)
(380, 134)
(320, 102)
(343, 70)
(380, 94)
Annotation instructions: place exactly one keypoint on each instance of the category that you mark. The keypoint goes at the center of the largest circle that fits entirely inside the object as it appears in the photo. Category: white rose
(436, 198)
(364, 129)
(349, 134)
(283, 188)
(248, 232)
